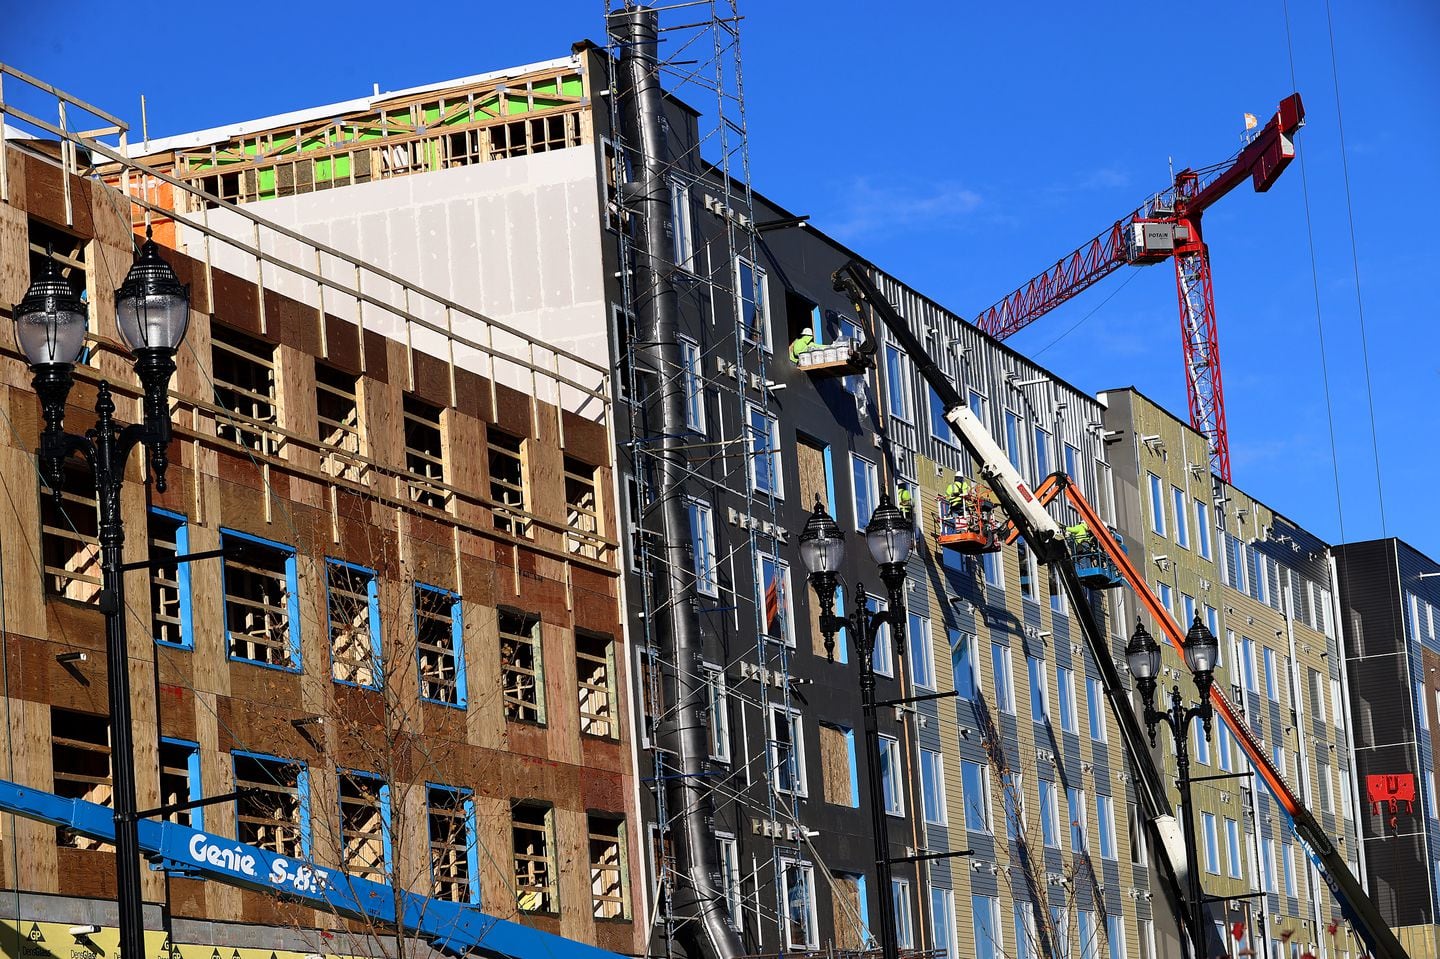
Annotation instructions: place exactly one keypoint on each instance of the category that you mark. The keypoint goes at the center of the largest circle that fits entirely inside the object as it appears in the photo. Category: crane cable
(1355, 267)
(1315, 286)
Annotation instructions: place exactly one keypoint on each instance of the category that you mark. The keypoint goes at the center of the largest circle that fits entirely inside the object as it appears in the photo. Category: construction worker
(1079, 534)
(803, 343)
(957, 491)
(903, 497)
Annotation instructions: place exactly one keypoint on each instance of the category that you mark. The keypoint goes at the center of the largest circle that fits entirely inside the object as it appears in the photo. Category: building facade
(1263, 587)
(410, 652)
(1389, 606)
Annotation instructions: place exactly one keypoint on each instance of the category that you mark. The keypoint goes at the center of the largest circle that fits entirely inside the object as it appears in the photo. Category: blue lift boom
(454, 928)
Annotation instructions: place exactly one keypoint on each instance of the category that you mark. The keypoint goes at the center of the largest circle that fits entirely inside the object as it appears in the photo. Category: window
(1212, 620)
(1115, 935)
(729, 850)
(1247, 662)
(1317, 695)
(1042, 454)
(1012, 441)
(1027, 934)
(262, 605)
(439, 646)
(352, 600)
(1146, 935)
(866, 487)
(702, 543)
(817, 480)
(764, 436)
(1136, 825)
(932, 786)
(962, 664)
(994, 569)
(1039, 690)
(1222, 737)
(1027, 570)
(80, 757)
(837, 765)
(1089, 937)
(1422, 707)
(1182, 519)
(1259, 576)
(532, 833)
(1327, 797)
(753, 285)
(1212, 845)
(1232, 847)
(70, 536)
(454, 853)
(974, 782)
(892, 772)
(1095, 707)
(1167, 597)
(719, 714)
(243, 371)
(1202, 529)
(797, 891)
(787, 751)
(1105, 815)
(694, 384)
(904, 925)
(1075, 809)
(1157, 504)
(425, 453)
(582, 509)
(1057, 592)
(1104, 491)
(364, 826)
(595, 685)
(180, 779)
(608, 887)
(506, 458)
(989, 933)
(1187, 610)
(1337, 710)
(681, 239)
(1074, 467)
(922, 657)
(170, 579)
(1060, 923)
(1049, 814)
(1201, 747)
(1287, 865)
(942, 923)
(1430, 795)
(1272, 687)
(273, 807)
(337, 414)
(1003, 677)
(1065, 679)
(1012, 791)
(522, 667)
(775, 599)
(896, 383)
(940, 428)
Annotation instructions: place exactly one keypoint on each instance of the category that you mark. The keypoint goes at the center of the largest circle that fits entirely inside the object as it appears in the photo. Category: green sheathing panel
(573, 87)
(266, 184)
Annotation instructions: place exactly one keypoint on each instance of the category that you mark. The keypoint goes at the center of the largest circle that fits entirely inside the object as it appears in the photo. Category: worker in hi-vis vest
(956, 492)
(803, 343)
(1079, 532)
(903, 497)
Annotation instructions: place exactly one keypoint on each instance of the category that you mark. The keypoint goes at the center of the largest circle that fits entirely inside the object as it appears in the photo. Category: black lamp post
(890, 537)
(1142, 655)
(152, 311)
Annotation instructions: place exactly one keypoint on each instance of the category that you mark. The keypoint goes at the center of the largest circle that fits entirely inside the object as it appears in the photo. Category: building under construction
(542, 318)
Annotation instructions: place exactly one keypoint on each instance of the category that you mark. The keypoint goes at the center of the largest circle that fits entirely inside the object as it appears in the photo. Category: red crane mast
(1168, 227)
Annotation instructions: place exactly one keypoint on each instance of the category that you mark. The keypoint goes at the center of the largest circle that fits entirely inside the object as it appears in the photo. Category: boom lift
(1166, 227)
(1028, 518)
(456, 928)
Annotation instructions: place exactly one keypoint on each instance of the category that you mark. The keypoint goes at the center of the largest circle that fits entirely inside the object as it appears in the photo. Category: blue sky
(964, 147)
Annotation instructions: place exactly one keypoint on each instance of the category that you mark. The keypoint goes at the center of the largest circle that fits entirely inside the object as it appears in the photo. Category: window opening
(521, 667)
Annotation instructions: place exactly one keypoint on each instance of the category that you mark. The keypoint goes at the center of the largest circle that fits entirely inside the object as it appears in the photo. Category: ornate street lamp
(889, 536)
(1142, 656)
(152, 311)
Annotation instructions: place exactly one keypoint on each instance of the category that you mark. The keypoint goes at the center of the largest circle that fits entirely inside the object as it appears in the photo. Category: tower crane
(1168, 227)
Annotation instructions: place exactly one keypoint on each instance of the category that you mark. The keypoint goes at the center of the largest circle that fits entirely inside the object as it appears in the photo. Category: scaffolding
(719, 283)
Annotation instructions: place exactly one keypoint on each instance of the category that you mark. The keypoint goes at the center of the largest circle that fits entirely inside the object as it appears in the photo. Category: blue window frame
(365, 841)
(454, 849)
(170, 606)
(262, 601)
(352, 603)
(180, 780)
(273, 808)
(439, 645)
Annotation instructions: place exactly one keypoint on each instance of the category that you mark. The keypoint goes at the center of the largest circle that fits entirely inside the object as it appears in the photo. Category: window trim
(382, 795)
(926, 641)
(772, 451)
(897, 385)
(938, 775)
(693, 377)
(871, 473)
(182, 580)
(761, 298)
(195, 787)
(472, 846)
(372, 595)
(799, 778)
(292, 590)
(890, 753)
(785, 604)
(706, 568)
(302, 792)
(1157, 504)
(715, 679)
